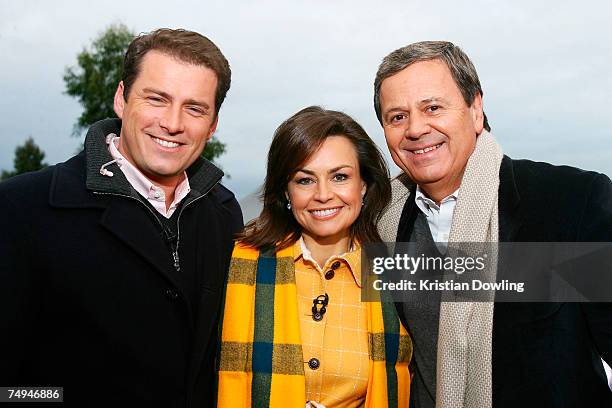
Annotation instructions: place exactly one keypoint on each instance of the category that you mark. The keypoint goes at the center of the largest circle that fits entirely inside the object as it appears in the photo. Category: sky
(544, 67)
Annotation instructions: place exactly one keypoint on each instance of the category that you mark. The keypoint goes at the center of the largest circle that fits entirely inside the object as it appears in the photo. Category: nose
(418, 125)
(324, 191)
(172, 120)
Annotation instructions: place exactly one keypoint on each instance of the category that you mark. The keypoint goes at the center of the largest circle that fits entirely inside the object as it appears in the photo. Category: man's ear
(477, 114)
(119, 102)
(213, 128)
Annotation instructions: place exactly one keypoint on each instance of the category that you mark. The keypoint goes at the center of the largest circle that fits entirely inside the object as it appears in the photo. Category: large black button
(317, 317)
(336, 265)
(329, 274)
(313, 363)
(171, 294)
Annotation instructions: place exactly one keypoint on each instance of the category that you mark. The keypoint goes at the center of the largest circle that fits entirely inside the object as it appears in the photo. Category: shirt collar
(352, 259)
(140, 182)
(202, 174)
(426, 204)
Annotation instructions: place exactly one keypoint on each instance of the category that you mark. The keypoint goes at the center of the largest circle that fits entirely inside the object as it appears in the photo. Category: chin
(426, 177)
(328, 235)
(166, 171)
(323, 234)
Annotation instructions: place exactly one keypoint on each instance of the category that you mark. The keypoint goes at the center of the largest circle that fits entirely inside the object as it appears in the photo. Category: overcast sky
(545, 67)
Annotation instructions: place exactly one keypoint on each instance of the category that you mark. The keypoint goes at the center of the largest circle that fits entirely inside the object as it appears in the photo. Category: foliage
(214, 148)
(28, 157)
(99, 71)
(94, 81)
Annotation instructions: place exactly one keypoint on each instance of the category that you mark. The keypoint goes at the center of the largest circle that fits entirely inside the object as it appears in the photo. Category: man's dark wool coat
(90, 299)
(544, 354)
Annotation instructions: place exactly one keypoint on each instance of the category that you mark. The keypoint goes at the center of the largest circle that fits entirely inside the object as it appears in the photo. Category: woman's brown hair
(295, 140)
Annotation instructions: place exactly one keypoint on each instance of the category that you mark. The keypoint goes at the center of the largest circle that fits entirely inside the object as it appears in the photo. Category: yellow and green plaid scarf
(261, 362)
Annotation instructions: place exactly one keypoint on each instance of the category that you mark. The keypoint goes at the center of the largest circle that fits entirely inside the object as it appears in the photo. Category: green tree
(28, 157)
(214, 148)
(93, 81)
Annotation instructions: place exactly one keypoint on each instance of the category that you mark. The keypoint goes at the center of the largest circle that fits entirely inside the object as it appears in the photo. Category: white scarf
(466, 328)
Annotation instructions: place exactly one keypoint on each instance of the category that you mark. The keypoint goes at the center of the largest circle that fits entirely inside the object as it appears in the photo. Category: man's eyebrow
(421, 102)
(158, 92)
(431, 99)
(166, 95)
(394, 109)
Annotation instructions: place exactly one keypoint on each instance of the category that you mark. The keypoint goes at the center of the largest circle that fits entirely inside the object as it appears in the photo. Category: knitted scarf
(261, 362)
(465, 331)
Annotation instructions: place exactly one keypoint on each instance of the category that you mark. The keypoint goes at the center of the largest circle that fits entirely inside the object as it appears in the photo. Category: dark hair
(295, 141)
(187, 46)
(461, 68)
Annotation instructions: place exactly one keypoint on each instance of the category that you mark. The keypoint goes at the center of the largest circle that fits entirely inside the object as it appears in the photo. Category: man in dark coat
(113, 262)
(457, 183)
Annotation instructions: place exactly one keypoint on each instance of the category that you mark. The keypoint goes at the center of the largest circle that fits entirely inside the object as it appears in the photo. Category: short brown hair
(295, 141)
(459, 64)
(187, 46)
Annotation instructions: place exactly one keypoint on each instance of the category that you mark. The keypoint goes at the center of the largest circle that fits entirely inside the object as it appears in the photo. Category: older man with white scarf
(457, 186)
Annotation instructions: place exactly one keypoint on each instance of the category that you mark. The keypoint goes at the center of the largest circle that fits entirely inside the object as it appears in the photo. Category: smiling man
(457, 186)
(113, 262)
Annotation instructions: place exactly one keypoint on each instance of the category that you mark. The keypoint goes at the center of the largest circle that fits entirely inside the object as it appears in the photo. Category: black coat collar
(77, 183)
(75, 180)
(508, 202)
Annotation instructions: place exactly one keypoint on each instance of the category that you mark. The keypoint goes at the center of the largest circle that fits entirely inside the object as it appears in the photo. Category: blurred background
(544, 67)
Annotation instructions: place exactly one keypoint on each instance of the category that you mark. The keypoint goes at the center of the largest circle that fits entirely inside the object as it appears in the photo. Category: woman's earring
(288, 204)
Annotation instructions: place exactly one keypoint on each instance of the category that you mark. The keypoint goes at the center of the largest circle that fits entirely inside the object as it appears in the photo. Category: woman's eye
(340, 177)
(304, 181)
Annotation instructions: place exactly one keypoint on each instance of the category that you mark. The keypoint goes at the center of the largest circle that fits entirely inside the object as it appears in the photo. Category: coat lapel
(68, 186)
(133, 225)
(214, 269)
(125, 217)
(508, 201)
(403, 206)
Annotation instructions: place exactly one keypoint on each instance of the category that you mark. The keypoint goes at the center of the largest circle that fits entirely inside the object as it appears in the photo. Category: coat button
(329, 274)
(336, 265)
(317, 317)
(313, 363)
(171, 294)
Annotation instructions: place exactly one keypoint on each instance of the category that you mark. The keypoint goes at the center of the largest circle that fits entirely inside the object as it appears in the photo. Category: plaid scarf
(261, 362)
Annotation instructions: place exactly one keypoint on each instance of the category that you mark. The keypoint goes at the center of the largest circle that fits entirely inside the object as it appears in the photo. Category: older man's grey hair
(460, 66)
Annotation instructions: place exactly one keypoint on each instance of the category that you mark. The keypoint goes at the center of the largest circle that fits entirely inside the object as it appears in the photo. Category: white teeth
(325, 213)
(165, 143)
(427, 149)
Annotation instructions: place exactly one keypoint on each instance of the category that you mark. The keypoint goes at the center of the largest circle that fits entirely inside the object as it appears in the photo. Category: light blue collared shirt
(439, 217)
